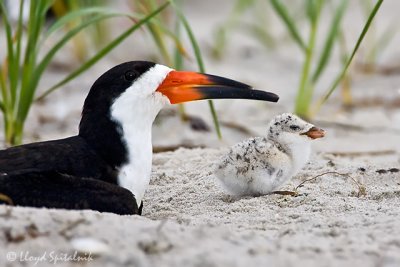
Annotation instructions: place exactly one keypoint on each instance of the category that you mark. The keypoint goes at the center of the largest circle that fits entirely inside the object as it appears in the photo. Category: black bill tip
(227, 92)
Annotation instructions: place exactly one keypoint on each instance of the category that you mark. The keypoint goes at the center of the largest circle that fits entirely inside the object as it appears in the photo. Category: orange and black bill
(184, 86)
(315, 133)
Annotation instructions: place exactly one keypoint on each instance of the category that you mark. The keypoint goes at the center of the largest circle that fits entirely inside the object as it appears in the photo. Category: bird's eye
(130, 75)
(294, 127)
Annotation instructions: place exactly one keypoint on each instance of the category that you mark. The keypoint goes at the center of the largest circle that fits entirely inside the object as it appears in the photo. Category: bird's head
(141, 88)
(124, 101)
(150, 81)
(290, 129)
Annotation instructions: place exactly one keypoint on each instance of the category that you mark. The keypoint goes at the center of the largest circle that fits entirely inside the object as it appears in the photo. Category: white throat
(298, 148)
(135, 110)
(300, 154)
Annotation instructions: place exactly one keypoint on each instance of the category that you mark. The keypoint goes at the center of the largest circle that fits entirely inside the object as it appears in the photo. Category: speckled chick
(261, 165)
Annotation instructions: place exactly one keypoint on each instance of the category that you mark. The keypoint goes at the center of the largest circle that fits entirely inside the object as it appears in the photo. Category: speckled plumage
(260, 165)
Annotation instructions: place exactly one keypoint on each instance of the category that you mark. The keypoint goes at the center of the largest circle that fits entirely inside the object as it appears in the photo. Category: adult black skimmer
(107, 166)
(261, 165)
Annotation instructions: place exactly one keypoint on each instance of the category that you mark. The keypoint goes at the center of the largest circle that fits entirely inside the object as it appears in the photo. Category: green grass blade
(331, 37)
(192, 38)
(313, 8)
(28, 97)
(306, 88)
(34, 25)
(310, 9)
(18, 39)
(40, 9)
(70, 34)
(366, 6)
(178, 58)
(158, 38)
(158, 29)
(3, 87)
(199, 60)
(215, 118)
(178, 62)
(157, 33)
(175, 38)
(37, 15)
(355, 49)
(71, 16)
(104, 51)
(290, 24)
(10, 49)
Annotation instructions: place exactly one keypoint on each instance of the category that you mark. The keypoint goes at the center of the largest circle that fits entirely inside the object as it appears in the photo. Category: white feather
(136, 110)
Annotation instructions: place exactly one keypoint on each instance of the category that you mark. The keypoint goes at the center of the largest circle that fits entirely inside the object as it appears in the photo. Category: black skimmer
(261, 165)
(107, 166)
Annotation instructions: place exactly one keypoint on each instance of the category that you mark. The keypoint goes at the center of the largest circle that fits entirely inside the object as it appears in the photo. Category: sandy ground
(188, 219)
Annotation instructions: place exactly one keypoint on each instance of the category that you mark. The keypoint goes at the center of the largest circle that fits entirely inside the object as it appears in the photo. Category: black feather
(78, 172)
(57, 190)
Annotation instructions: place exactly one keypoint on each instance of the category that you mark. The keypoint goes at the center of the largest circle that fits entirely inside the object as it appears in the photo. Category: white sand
(189, 221)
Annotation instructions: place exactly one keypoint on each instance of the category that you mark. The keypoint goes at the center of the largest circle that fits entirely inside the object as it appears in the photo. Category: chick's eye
(294, 127)
(130, 75)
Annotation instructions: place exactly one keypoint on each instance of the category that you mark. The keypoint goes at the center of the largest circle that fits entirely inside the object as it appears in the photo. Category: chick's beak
(184, 86)
(315, 133)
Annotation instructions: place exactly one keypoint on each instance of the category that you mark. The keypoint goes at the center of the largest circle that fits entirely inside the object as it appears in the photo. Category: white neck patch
(135, 110)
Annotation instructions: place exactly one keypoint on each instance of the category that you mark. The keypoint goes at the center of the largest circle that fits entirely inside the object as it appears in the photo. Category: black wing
(65, 173)
(57, 190)
(71, 156)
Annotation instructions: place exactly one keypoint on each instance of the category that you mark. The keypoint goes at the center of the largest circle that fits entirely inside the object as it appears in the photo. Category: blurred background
(53, 51)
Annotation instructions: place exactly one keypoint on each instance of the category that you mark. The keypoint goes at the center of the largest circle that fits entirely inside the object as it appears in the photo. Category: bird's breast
(135, 175)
